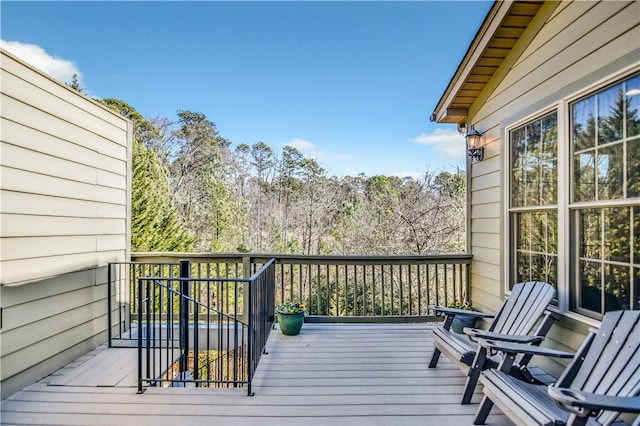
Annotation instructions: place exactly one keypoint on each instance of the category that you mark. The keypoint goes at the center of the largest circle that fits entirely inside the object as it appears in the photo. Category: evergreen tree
(154, 223)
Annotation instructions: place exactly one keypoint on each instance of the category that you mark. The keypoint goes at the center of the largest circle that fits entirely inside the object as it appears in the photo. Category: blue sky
(351, 84)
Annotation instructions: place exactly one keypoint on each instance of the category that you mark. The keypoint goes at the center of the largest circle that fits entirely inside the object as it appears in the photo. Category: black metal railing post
(251, 335)
(139, 336)
(109, 336)
(185, 272)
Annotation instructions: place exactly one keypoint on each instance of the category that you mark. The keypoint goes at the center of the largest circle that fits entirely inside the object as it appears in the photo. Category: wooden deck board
(328, 375)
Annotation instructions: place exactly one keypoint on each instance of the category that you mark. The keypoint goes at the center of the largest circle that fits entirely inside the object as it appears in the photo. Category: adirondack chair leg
(577, 420)
(483, 411)
(473, 374)
(435, 358)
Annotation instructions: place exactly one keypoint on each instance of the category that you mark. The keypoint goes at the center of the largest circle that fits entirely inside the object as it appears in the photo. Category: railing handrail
(464, 258)
(191, 299)
(262, 270)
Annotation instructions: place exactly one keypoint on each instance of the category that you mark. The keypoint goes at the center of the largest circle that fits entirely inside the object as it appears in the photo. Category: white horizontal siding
(28, 92)
(64, 214)
(56, 90)
(22, 113)
(17, 271)
(20, 135)
(20, 225)
(19, 180)
(51, 205)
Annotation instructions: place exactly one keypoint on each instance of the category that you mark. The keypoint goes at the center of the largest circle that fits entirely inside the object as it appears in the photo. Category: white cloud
(58, 68)
(305, 147)
(448, 142)
(310, 150)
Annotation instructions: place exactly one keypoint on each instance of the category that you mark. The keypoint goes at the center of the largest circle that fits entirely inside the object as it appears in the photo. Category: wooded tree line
(193, 190)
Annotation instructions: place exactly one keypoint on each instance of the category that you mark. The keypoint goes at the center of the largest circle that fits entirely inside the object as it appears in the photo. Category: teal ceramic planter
(462, 321)
(290, 324)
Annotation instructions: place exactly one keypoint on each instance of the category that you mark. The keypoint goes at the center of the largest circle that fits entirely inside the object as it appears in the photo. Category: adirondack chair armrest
(521, 348)
(594, 402)
(454, 311)
(515, 338)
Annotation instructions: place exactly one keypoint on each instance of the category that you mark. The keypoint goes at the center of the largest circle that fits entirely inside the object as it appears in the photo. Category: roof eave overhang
(449, 109)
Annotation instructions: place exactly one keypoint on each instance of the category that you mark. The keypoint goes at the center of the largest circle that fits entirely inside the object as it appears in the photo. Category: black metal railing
(347, 288)
(123, 292)
(187, 336)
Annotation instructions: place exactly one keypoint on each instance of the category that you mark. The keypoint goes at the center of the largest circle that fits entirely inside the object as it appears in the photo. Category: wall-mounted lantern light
(474, 149)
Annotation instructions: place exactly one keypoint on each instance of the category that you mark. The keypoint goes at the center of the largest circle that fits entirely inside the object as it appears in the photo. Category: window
(605, 209)
(534, 193)
(595, 189)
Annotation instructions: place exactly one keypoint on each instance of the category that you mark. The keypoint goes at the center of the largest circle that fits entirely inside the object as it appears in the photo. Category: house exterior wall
(64, 214)
(578, 44)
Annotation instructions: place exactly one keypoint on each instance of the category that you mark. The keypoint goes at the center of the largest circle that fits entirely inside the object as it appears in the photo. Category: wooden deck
(328, 375)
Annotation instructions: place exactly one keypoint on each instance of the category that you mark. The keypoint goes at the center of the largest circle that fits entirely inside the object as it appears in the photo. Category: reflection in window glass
(636, 235)
(616, 292)
(632, 92)
(585, 177)
(610, 172)
(584, 129)
(636, 289)
(610, 114)
(590, 286)
(633, 168)
(534, 162)
(605, 257)
(617, 234)
(590, 233)
(605, 152)
(536, 245)
(534, 183)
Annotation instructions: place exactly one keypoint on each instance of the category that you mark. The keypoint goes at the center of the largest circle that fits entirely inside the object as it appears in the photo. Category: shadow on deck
(328, 375)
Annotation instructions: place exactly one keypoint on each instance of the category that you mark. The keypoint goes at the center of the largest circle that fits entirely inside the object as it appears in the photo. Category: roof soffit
(500, 31)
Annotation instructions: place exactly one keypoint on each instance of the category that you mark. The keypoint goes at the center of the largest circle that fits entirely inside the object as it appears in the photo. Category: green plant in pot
(290, 317)
(460, 321)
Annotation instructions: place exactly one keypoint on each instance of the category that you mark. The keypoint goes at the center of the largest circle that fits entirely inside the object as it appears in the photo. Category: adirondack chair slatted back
(523, 308)
(608, 362)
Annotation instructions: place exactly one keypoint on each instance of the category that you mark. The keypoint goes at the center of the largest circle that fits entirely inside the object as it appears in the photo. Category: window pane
(535, 240)
(538, 232)
(552, 231)
(522, 273)
(617, 234)
(610, 172)
(636, 289)
(584, 134)
(610, 114)
(518, 147)
(633, 106)
(549, 184)
(549, 137)
(590, 286)
(633, 168)
(534, 145)
(534, 163)
(518, 186)
(585, 177)
(636, 235)
(616, 288)
(590, 233)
